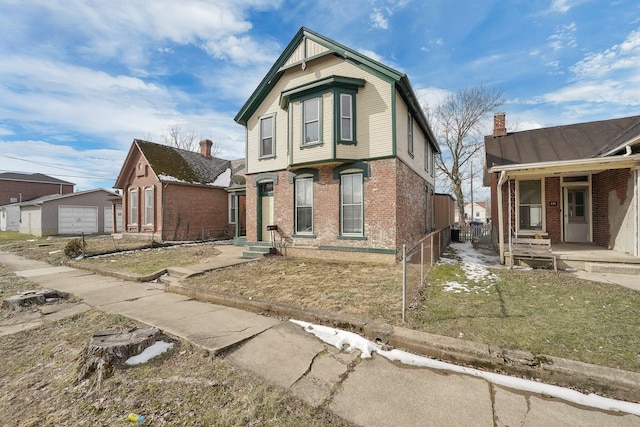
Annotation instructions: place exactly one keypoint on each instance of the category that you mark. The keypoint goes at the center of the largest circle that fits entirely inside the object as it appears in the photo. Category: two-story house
(339, 154)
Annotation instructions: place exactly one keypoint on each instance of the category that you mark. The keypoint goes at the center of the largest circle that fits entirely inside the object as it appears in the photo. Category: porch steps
(613, 268)
(256, 252)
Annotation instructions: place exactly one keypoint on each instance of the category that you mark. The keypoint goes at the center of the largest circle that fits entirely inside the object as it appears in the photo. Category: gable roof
(325, 46)
(32, 177)
(580, 141)
(43, 199)
(175, 165)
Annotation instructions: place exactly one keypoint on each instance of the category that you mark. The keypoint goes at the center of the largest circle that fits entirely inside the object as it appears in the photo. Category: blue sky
(79, 80)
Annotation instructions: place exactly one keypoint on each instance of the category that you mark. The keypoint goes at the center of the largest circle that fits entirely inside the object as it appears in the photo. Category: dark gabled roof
(32, 177)
(172, 164)
(563, 143)
(337, 49)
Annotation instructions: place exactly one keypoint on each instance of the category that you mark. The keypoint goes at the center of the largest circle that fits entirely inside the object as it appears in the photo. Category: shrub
(73, 248)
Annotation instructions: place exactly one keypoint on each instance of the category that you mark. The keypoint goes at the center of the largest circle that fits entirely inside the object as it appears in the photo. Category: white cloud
(378, 20)
(623, 56)
(563, 37)
(431, 96)
(560, 6)
(609, 76)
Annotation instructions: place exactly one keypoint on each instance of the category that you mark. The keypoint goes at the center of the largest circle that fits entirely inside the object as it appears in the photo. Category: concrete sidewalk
(371, 392)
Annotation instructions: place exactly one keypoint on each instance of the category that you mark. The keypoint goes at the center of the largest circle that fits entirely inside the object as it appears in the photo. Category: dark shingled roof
(32, 177)
(172, 164)
(561, 143)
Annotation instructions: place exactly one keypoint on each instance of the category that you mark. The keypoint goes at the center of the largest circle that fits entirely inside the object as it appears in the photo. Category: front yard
(536, 310)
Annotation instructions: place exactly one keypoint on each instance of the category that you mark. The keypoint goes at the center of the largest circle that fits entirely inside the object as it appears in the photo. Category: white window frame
(360, 179)
(133, 206)
(148, 205)
(317, 120)
(263, 137)
(348, 116)
(543, 225)
(308, 204)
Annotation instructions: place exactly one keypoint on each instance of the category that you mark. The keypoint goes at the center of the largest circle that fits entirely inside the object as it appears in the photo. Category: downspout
(501, 181)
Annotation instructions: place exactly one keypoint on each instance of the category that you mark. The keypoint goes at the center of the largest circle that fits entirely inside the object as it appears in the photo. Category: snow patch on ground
(349, 342)
(477, 277)
(156, 349)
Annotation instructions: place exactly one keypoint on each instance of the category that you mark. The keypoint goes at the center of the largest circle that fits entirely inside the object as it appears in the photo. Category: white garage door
(77, 219)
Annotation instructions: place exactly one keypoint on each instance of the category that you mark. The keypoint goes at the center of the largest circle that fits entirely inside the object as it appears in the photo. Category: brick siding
(605, 183)
(24, 191)
(394, 209)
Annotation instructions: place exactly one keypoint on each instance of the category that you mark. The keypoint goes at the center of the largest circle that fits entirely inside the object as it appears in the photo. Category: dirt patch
(184, 386)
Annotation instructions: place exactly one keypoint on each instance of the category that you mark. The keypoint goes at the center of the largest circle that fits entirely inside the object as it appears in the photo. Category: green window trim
(267, 135)
(339, 117)
(362, 166)
(266, 176)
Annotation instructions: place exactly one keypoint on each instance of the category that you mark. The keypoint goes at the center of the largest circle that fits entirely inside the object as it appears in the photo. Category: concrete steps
(613, 268)
(257, 251)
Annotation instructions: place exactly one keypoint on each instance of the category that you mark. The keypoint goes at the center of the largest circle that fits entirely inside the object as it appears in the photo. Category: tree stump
(34, 297)
(110, 347)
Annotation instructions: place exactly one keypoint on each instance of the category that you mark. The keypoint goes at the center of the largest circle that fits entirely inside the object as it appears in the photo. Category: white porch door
(267, 218)
(577, 215)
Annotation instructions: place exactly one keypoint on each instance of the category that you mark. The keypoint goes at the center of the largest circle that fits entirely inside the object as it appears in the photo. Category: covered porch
(592, 258)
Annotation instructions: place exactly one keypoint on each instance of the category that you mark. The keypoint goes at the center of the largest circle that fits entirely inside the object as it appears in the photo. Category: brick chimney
(499, 124)
(205, 148)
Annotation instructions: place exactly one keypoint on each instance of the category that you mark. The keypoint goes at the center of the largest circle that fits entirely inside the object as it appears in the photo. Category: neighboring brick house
(575, 183)
(174, 194)
(339, 153)
(18, 187)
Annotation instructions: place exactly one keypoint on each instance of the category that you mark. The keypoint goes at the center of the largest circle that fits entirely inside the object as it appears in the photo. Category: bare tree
(457, 122)
(176, 137)
(186, 140)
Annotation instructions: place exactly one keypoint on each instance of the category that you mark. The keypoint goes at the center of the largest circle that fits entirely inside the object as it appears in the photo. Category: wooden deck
(584, 256)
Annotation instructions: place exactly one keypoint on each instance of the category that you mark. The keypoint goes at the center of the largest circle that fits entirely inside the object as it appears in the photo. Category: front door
(266, 211)
(576, 214)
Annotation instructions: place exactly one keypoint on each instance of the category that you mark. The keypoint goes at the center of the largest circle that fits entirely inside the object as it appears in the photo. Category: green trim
(304, 236)
(337, 117)
(353, 249)
(361, 166)
(265, 176)
(347, 54)
(348, 237)
(394, 120)
(306, 171)
(319, 86)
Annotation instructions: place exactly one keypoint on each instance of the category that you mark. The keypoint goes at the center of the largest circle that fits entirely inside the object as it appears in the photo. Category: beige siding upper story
(417, 161)
(311, 153)
(298, 55)
(373, 117)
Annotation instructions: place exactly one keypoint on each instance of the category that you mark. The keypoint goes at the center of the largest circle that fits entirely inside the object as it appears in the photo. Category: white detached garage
(71, 214)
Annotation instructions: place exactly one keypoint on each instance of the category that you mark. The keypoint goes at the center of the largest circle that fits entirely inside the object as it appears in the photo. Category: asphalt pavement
(368, 392)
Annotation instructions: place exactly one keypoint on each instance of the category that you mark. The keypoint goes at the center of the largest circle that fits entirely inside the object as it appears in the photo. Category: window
(133, 206)
(233, 206)
(530, 205)
(410, 133)
(304, 205)
(148, 206)
(346, 117)
(351, 205)
(311, 121)
(266, 137)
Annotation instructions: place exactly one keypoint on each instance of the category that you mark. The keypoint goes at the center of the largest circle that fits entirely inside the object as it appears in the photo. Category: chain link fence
(416, 262)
